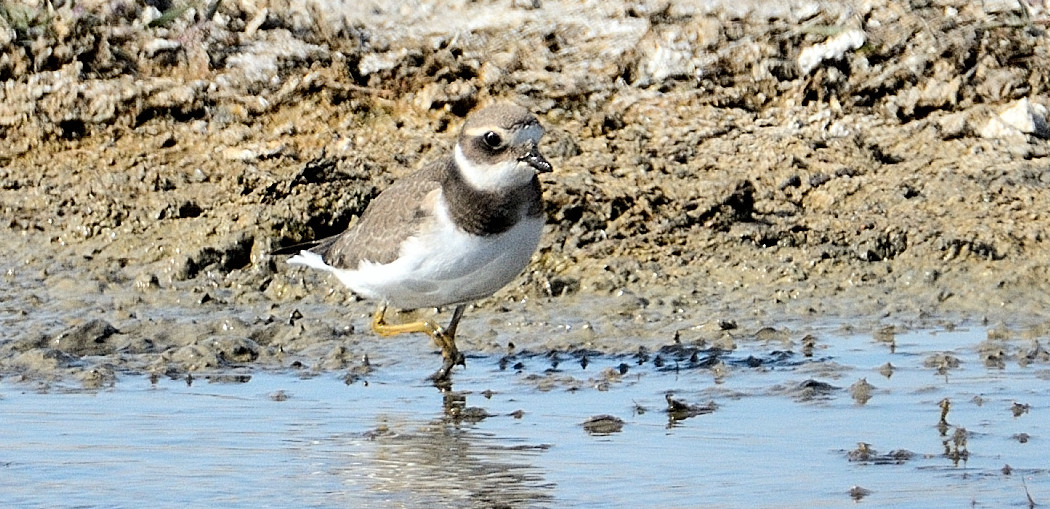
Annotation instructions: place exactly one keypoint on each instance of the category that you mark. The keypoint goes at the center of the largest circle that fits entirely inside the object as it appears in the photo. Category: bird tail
(310, 259)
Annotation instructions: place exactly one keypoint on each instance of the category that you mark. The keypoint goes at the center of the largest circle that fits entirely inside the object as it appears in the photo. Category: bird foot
(451, 357)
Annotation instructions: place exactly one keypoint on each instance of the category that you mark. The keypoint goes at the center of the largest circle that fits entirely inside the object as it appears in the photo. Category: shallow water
(267, 439)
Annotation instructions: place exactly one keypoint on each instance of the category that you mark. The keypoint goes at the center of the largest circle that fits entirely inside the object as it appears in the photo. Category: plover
(451, 233)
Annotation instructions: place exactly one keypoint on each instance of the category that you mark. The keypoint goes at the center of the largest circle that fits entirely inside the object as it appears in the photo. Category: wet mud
(722, 173)
(765, 428)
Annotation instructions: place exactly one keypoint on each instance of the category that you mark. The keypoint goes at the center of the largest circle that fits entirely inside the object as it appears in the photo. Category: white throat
(493, 177)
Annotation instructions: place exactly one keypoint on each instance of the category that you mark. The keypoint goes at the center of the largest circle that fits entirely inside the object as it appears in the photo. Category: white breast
(446, 265)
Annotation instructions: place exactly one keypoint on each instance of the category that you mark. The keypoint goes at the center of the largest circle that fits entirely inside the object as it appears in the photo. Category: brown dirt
(709, 182)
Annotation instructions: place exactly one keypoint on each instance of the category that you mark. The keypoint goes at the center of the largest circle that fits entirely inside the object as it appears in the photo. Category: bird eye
(492, 139)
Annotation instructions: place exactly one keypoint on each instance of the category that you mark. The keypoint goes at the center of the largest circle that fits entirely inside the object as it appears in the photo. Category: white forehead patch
(533, 132)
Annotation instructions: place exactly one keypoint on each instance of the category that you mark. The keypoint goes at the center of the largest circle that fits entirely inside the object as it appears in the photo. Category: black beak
(537, 161)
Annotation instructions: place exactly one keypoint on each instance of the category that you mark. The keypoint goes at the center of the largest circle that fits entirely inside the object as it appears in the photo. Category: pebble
(834, 48)
(1020, 119)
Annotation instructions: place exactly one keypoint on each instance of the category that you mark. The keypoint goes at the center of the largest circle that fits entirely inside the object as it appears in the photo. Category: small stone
(861, 391)
(158, 45)
(603, 425)
(857, 492)
(1027, 117)
(834, 48)
(1017, 121)
(886, 370)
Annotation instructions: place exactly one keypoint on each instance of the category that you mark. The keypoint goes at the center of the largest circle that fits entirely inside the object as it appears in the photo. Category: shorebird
(449, 234)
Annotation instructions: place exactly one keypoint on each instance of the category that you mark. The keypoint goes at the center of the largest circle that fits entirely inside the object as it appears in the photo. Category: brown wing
(393, 216)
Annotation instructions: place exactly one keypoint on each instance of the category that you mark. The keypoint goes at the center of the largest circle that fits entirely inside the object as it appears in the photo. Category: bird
(451, 233)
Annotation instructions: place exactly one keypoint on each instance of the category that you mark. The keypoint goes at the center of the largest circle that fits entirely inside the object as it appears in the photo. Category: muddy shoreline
(720, 173)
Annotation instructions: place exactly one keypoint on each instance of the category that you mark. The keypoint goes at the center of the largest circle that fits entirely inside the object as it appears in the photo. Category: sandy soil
(721, 172)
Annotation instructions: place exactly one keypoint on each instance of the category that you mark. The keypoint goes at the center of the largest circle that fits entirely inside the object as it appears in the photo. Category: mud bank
(720, 172)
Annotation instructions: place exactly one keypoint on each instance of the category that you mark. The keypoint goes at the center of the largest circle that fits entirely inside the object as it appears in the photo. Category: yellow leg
(445, 338)
(384, 329)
